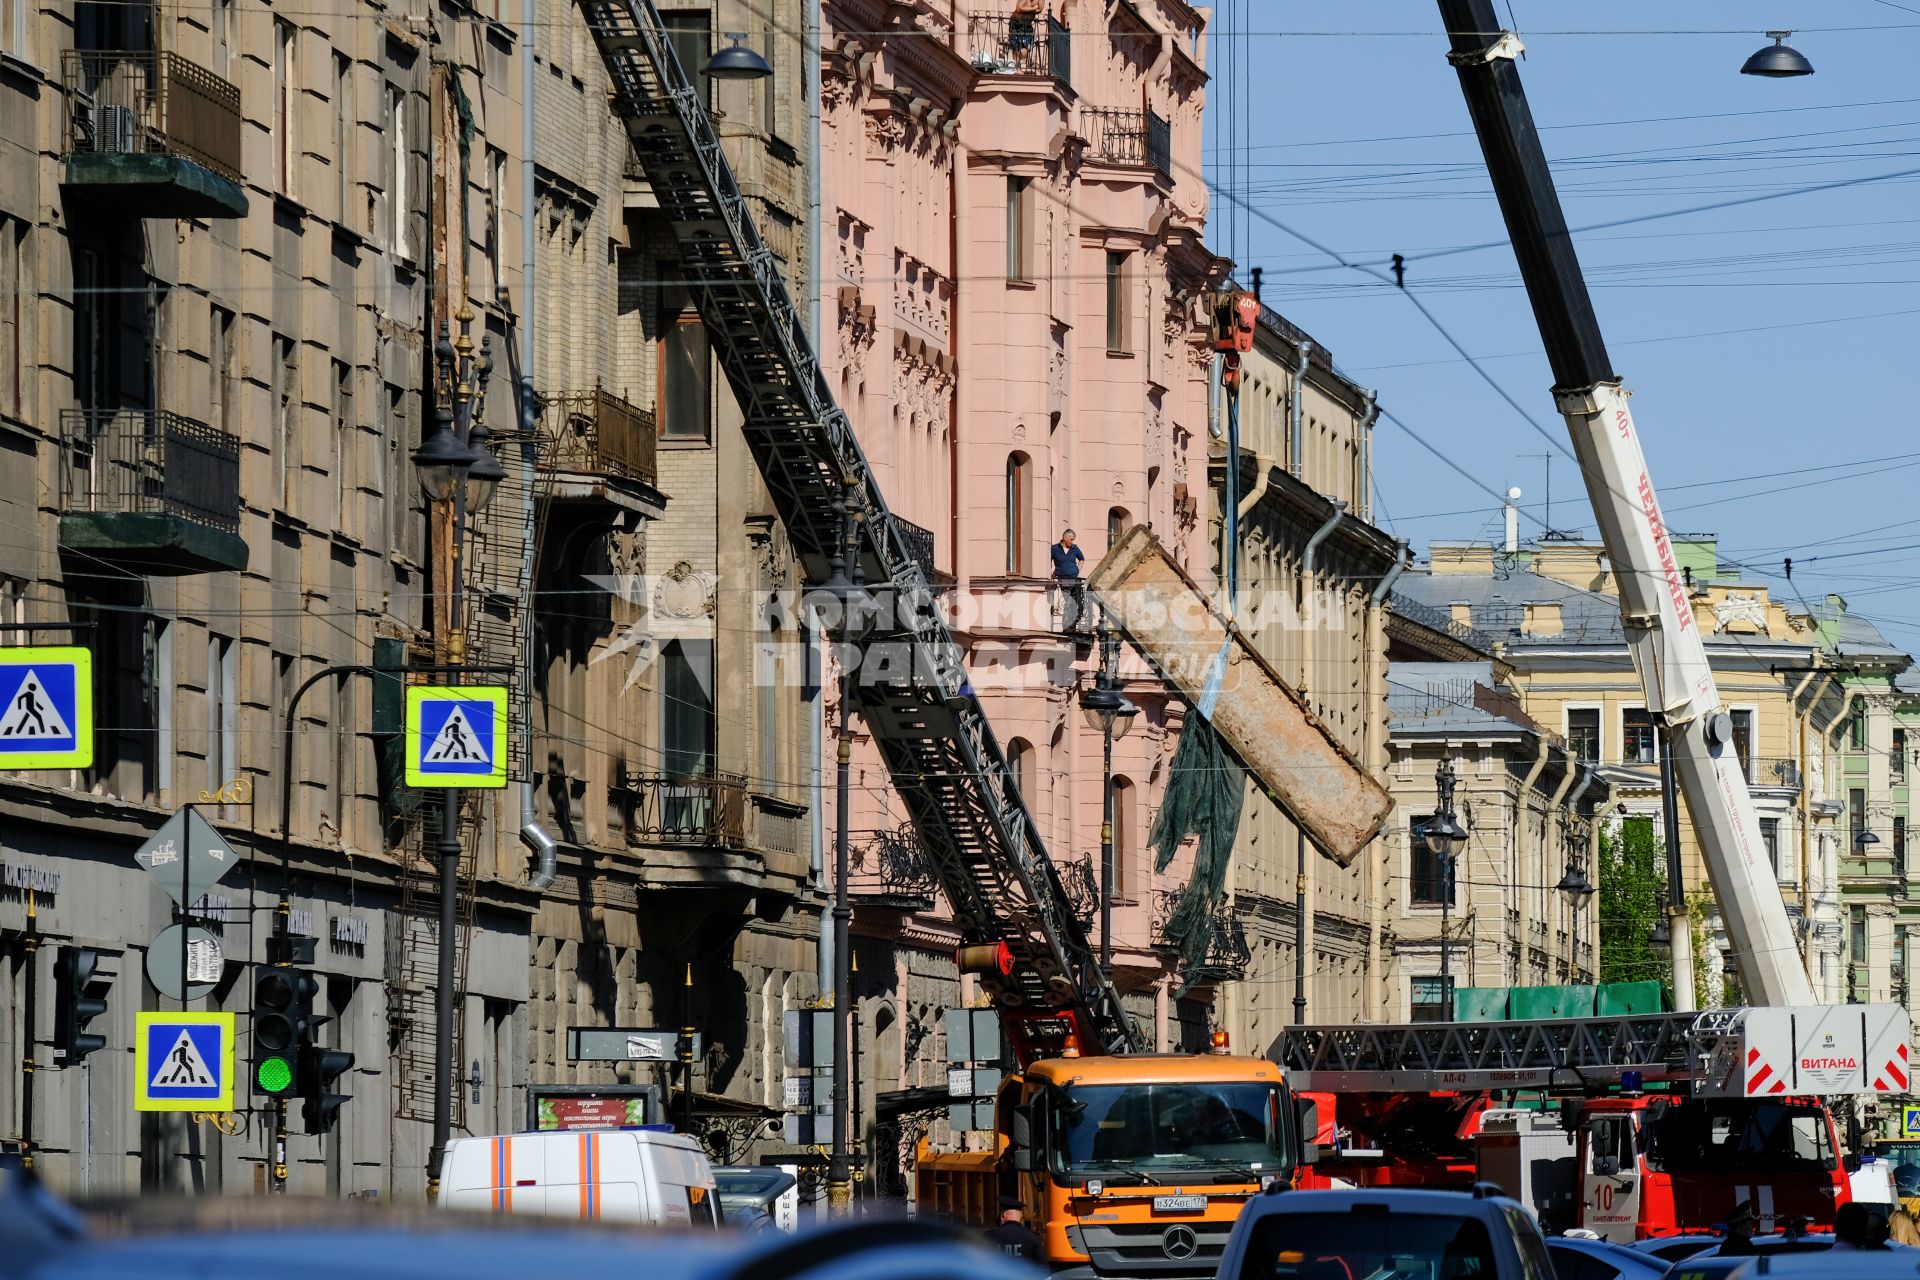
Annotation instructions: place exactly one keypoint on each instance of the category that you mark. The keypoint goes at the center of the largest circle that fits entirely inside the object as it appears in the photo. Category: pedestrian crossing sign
(183, 1062)
(456, 736)
(46, 708)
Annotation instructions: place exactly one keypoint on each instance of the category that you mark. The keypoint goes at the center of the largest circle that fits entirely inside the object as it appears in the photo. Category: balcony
(1003, 45)
(599, 447)
(150, 491)
(919, 547)
(1226, 955)
(890, 874)
(712, 813)
(155, 133)
(1138, 138)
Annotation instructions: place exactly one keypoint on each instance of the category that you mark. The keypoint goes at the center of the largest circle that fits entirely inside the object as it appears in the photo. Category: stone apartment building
(1549, 612)
(1013, 208)
(229, 235)
(1313, 575)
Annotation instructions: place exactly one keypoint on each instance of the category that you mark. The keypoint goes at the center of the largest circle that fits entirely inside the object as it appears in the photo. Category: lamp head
(737, 62)
(1777, 60)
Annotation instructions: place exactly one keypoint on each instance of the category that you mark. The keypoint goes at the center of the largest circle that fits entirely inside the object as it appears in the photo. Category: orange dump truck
(1129, 1165)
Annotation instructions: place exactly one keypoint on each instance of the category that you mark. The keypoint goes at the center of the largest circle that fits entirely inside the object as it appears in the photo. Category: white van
(644, 1176)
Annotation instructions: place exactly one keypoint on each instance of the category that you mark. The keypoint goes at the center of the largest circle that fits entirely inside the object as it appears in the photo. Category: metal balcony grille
(145, 103)
(1001, 44)
(599, 433)
(919, 544)
(707, 812)
(1119, 136)
(150, 461)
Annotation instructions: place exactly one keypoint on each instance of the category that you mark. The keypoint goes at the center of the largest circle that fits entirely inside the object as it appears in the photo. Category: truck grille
(1170, 1249)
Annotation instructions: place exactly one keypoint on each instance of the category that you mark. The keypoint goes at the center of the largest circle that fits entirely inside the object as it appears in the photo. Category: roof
(1850, 635)
(1498, 605)
(1450, 698)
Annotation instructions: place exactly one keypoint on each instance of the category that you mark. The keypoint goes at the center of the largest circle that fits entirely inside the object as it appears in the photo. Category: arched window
(1118, 522)
(1126, 841)
(1019, 512)
(1020, 762)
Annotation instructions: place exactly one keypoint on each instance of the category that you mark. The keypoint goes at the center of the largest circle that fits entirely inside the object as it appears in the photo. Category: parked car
(651, 1176)
(1346, 1235)
(749, 1194)
(1579, 1259)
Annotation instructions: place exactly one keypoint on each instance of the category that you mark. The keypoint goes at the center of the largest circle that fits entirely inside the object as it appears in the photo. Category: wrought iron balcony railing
(151, 462)
(889, 864)
(599, 433)
(1002, 44)
(701, 812)
(147, 103)
(1119, 136)
(1227, 954)
(919, 544)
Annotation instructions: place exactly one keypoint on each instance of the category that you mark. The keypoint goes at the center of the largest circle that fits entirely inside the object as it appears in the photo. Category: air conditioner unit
(119, 130)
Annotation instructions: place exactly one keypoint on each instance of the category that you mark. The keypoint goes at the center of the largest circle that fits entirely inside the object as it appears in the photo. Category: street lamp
(1575, 885)
(1109, 711)
(1777, 59)
(737, 62)
(1660, 941)
(1864, 840)
(452, 470)
(1444, 839)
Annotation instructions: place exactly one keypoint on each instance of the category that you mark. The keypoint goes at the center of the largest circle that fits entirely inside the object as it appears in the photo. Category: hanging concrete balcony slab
(153, 133)
(151, 492)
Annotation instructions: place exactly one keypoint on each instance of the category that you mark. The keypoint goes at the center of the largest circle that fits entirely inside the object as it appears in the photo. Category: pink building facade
(1015, 319)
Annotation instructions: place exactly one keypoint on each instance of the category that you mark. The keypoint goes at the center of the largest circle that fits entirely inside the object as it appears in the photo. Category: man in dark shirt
(1067, 559)
(1012, 1237)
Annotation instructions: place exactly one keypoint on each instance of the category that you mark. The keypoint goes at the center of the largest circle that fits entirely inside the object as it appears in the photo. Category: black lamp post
(1109, 711)
(1444, 839)
(453, 470)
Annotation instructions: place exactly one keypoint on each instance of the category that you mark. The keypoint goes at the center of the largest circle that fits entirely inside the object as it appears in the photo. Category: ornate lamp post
(1444, 839)
(1109, 711)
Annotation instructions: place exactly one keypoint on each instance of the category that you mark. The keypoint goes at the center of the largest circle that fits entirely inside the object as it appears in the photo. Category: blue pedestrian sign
(183, 1062)
(46, 708)
(1910, 1122)
(456, 737)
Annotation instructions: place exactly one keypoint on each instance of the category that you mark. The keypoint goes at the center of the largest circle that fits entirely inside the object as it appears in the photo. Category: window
(1118, 522)
(220, 366)
(15, 370)
(1429, 886)
(16, 29)
(395, 483)
(343, 136)
(223, 710)
(496, 245)
(1583, 733)
(1857, 934)
(1432, 999)
(775, 84)
(1856, 817)
(1899, 761)
(1639, 742)
(1020, 764)
(398, 157)
(285, 102)
(1116, 301)
(344, 447)
(286, 401)
(1019, 226)
(692, 43)
(341, 735)
(1743, 741)
(1900, 847)
(1770, 841)
(1857, 729)
(166, 744)
(686, 379)
(687, 708)
(1019, 507)
(1125, 843)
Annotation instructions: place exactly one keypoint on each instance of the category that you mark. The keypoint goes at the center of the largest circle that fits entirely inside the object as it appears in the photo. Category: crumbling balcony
(1005, 45)
(155, 133)
(1118, 136)
(150, 491)
(600, 448)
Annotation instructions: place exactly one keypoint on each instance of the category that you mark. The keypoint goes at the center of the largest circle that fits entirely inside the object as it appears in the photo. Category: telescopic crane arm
(1662, 634)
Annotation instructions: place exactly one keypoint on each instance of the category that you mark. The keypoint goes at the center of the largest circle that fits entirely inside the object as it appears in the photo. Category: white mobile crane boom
(1662, 634)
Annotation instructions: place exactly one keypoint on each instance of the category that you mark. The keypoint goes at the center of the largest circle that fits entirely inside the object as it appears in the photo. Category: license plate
(1179, 1204)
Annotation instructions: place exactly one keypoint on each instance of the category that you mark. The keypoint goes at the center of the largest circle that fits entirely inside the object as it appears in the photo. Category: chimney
(1541, 619)
(1462, 612)
(1513, 520)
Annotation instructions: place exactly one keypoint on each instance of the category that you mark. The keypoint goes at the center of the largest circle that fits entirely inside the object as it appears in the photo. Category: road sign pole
(195, 1159)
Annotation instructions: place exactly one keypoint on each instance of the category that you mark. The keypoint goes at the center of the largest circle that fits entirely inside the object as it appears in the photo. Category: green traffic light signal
(273, 1075)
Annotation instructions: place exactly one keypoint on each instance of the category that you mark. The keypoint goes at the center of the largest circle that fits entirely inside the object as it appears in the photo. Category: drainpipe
(1376, 763)
(532, 834)
(1296, 410)
(1364, 498)
(1587, 774)
(1559, 797)
(815, 657)
(1523, 814)
(1802, 802)
(1264, 466)
(1302, 924)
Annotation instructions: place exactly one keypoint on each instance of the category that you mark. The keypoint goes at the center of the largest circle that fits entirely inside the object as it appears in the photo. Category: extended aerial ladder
(910, 680)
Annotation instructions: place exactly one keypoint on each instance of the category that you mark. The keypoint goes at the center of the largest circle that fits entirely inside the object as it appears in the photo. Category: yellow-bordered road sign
(456, 736)
(183, 1061)
(46, 708)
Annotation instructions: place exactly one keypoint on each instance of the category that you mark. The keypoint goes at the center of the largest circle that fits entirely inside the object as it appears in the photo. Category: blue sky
(1770, 340)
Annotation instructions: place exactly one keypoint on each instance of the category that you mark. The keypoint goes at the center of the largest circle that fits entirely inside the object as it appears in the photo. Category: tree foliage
(1632, 877)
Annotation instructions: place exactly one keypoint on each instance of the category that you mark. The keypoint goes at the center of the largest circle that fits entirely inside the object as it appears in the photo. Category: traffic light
(80, 996)
(282, 1012)
(319, 1068)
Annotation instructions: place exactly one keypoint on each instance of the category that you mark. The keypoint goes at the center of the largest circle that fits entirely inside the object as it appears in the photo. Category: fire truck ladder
(912, 689)
(1570, 1055)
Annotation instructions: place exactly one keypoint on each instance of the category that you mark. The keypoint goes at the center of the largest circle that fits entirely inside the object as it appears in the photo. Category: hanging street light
(737, 62)
(1778, 59)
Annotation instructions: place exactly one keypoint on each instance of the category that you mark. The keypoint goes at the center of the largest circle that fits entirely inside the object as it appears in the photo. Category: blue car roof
(1452, 1203)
